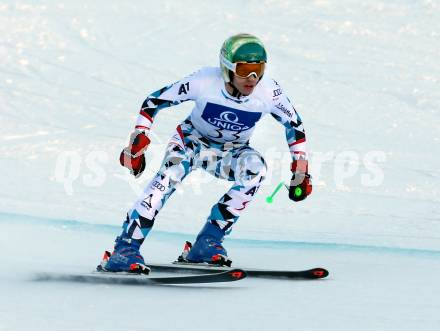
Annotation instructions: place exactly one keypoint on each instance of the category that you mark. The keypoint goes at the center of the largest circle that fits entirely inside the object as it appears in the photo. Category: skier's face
(245, 85)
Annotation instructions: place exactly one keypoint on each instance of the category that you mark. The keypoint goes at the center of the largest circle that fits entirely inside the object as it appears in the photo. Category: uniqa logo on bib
(228, 121)
(229, 118)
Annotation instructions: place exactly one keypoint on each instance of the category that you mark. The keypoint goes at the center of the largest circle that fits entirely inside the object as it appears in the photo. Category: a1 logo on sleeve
(184, 88)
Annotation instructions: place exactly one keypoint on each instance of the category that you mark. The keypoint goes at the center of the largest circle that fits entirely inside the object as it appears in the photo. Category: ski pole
(298, 191)
(269, 199)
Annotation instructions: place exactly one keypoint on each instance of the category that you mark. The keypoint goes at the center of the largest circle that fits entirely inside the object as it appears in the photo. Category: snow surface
(364, 75)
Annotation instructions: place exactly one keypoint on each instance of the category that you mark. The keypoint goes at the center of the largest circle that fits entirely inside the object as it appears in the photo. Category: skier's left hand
(300, 185)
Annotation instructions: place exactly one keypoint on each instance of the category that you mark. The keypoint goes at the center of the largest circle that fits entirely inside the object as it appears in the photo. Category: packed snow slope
(364, 76)
(367, 289)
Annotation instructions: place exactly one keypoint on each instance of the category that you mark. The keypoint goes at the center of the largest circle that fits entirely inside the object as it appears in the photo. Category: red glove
(132, 157)
(300, 185)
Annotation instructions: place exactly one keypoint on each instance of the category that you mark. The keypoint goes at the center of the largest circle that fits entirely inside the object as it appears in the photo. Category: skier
(229, 101)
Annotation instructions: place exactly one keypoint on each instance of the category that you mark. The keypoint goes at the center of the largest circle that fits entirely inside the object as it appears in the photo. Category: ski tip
(237, 274)
(319, 273)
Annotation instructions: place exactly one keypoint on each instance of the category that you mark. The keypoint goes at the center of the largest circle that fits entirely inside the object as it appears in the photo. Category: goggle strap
(228, 64)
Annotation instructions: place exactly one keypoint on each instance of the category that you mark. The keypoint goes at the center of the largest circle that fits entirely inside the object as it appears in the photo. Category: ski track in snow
(364, 77)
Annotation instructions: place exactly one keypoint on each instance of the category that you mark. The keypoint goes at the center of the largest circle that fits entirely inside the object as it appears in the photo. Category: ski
(185, 267)
(101, 277)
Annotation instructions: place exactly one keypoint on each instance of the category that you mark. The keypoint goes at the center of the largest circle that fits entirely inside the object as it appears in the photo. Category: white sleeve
(284, 112)
(183, 90)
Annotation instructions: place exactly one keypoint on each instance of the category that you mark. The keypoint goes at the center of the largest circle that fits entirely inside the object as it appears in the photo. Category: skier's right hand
(132, 156)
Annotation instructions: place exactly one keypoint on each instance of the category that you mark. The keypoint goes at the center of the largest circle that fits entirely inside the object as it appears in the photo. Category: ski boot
(125, 258)
(207, 248)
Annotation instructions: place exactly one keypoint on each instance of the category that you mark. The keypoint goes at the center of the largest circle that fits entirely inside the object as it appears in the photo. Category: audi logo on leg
(158, 185)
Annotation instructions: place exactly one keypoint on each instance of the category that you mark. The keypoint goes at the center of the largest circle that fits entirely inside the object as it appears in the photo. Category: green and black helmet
(242, 48)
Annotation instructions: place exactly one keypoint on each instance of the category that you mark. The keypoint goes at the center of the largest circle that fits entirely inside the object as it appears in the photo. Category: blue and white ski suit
(215, 137)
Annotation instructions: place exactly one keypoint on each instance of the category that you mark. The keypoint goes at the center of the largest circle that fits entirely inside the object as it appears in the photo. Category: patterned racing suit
(215, 137)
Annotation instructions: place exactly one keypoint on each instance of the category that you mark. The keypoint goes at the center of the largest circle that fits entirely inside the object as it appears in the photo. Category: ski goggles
(245, 69)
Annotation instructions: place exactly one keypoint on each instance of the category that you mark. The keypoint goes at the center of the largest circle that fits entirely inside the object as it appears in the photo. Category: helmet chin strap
(235, 92)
